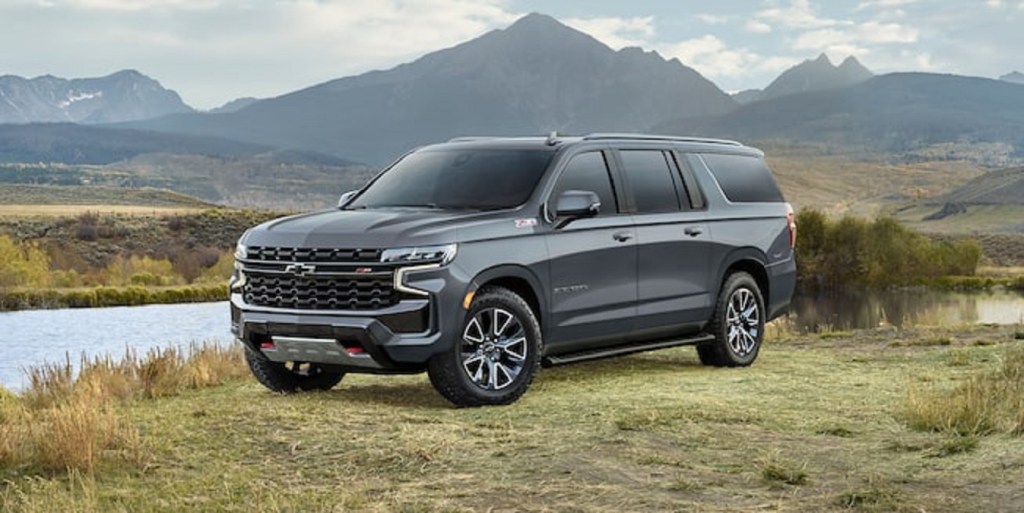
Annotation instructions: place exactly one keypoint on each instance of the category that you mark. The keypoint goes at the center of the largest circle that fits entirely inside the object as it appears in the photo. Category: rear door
(673, 242)
(593, 263)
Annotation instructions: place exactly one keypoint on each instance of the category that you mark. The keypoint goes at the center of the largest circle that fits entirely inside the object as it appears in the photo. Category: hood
(365, 228)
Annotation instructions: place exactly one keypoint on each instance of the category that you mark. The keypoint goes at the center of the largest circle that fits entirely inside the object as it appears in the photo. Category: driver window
(587, 172)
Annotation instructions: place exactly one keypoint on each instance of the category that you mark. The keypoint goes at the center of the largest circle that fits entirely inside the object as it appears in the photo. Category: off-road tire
(279, 378)
(738, 288)
(449, 371)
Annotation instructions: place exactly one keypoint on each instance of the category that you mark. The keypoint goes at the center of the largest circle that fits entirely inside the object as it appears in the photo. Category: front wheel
(287, 378)
(738, 324)
(496, 355)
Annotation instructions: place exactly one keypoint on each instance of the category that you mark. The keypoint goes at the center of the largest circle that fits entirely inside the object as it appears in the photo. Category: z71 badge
(526, 223)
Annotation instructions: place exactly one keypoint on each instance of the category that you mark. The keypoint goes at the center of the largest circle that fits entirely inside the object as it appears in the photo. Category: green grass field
(819, 423)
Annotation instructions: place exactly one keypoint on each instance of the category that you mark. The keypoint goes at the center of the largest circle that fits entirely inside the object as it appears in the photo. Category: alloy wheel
(494, 348)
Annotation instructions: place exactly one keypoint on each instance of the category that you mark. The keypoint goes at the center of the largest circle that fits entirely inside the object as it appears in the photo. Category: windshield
(478, 179)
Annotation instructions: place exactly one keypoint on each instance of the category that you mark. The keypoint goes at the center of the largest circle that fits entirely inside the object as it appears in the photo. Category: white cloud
(712, 19)
(714, 59)
(870, 33)
(757, 27)
(132, 5)
(798, 14)
(883, 4)
(994, 4)
(616, 32)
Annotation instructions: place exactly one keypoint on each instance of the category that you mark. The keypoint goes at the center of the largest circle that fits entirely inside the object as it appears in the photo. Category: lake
(33, 337)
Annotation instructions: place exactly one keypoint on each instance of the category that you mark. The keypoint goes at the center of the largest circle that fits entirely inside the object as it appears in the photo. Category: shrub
(220, 271)
(880, 253)
(140, 270)
(23, 265)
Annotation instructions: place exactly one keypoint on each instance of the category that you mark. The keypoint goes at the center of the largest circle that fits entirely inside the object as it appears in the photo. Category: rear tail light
(791, 221)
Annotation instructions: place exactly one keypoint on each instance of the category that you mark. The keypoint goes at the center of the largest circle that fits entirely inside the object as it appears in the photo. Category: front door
(593, 264)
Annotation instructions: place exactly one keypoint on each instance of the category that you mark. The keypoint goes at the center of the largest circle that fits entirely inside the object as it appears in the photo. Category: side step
(608, 352)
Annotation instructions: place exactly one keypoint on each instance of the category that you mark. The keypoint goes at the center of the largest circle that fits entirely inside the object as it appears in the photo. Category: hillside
(859, 184)
(258, 181)
(1015, 77)
(79, 144)
(992, 203)
(123, 96)
(533, 77)
(35, 195)
(899, 113)
(1002, 187)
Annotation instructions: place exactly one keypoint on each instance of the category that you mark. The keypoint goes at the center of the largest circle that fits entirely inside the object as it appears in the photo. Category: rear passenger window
(743, 179)
(651, 180)
(587, 172)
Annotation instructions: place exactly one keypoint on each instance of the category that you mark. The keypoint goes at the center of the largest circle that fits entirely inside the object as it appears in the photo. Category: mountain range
(811, 75)
(123, 96)
(533, 77)
(895, 113)
(1015, 77)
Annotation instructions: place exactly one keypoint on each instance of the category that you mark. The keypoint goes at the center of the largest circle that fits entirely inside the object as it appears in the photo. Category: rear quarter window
(743, 179)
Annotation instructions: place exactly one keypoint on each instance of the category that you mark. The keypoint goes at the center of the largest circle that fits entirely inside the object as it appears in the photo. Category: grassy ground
(819, 423)
(97, 197)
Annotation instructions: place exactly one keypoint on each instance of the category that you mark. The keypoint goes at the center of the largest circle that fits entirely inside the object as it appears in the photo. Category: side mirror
(577, 204)
(345, 198)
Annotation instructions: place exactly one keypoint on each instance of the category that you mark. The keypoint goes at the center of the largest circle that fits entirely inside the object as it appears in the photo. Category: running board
(608, 352)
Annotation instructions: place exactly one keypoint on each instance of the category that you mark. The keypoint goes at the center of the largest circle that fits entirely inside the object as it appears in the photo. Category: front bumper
(399, 338)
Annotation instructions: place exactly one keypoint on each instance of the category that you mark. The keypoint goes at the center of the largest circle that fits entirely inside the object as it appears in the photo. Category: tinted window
(587, 172)
(651, 180)
(743, 179)
(457, 179)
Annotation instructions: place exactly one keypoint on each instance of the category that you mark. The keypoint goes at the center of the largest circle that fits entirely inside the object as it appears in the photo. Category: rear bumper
(782, 279)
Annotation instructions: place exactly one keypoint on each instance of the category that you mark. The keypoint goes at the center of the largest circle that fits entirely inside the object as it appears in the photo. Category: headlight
(423, 254)
(241, 252)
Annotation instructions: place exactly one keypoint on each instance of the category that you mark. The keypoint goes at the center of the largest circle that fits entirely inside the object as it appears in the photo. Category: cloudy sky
(212, 51)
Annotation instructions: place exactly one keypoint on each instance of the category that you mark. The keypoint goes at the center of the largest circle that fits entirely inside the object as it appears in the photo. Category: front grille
(313, 255)
(314, 292)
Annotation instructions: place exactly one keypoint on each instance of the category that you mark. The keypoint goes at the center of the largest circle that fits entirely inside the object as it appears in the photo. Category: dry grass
(986, 402)
(74, 210)
(66, 422)
(841, 184)
(812, 426)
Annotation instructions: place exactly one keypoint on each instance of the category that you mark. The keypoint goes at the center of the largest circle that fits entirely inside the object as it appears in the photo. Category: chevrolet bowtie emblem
(300, 269)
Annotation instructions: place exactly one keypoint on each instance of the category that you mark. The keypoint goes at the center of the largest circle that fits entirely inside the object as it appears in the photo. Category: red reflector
(355, 350)
(267, 345)
(791, 221)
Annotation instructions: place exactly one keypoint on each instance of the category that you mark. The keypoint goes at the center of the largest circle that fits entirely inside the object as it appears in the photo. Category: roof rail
(472, 138)
(647, 137)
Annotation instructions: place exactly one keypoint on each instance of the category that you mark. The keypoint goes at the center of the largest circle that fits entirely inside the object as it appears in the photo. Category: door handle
(622, 236)
(693, 231)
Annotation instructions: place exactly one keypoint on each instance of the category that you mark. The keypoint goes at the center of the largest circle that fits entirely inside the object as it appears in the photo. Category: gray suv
(480, 259)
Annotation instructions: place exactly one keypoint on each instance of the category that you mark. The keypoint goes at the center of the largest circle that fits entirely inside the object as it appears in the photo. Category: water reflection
(904, 308)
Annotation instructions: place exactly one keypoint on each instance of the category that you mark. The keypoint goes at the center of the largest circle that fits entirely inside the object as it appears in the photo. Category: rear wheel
(495, 358)
(286, 378)
(738, 324)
